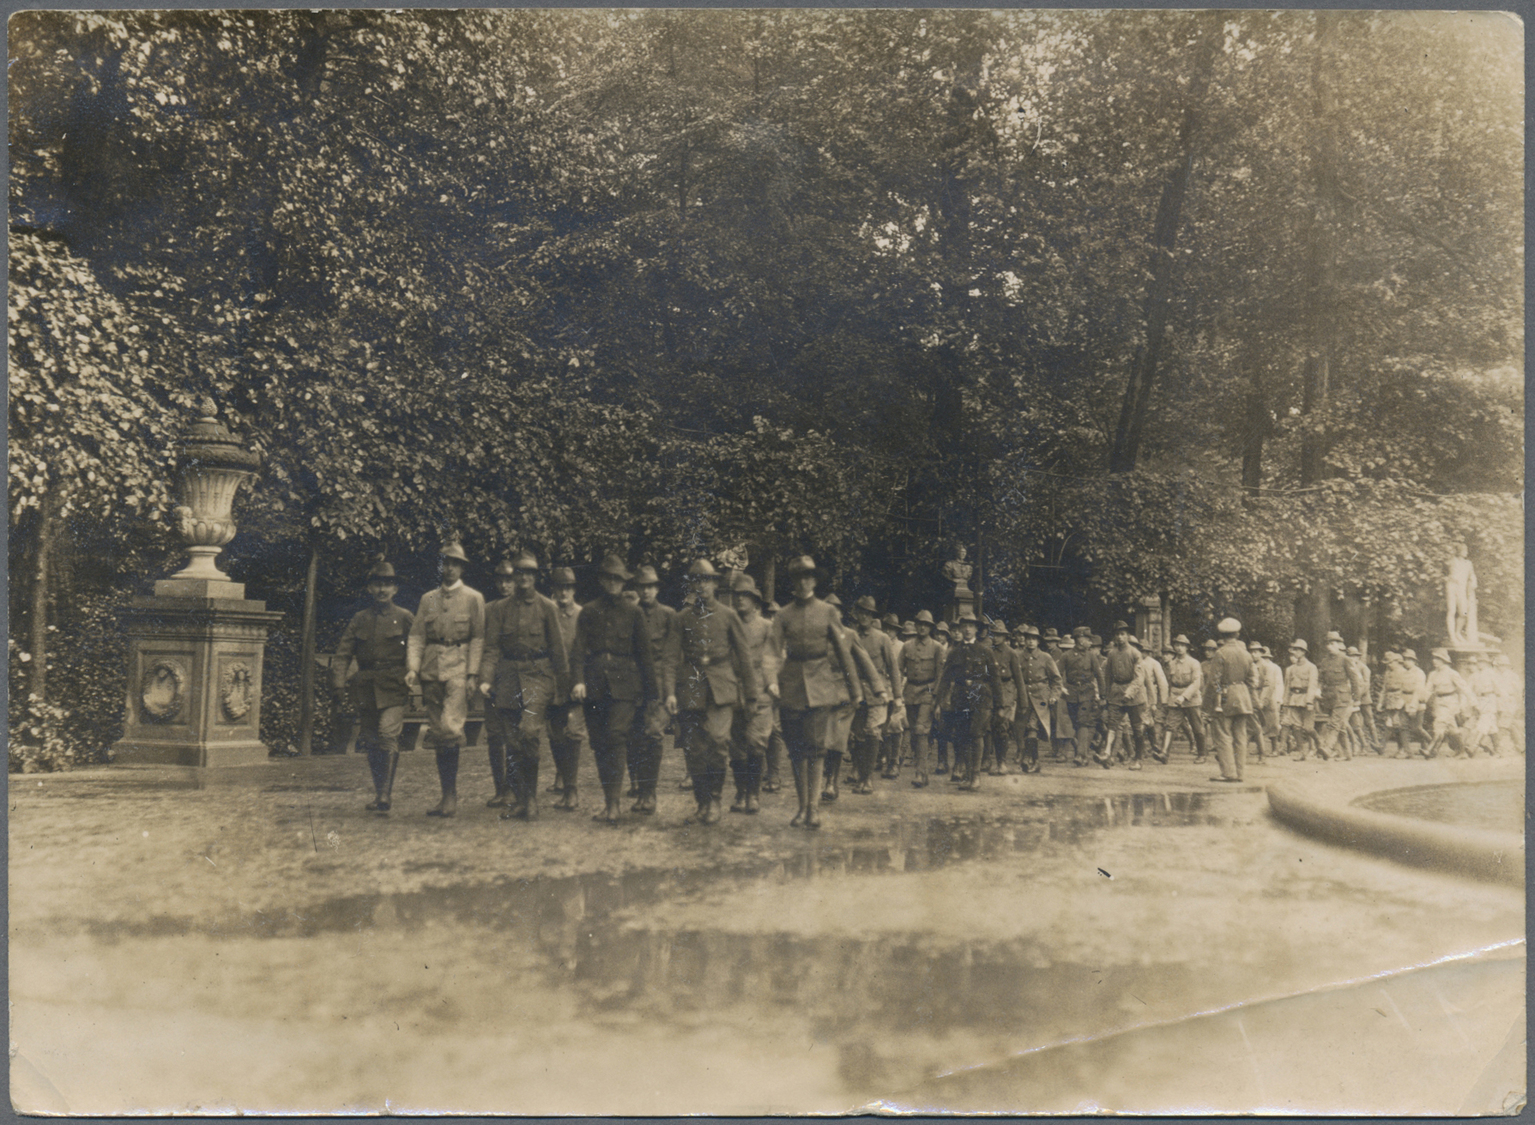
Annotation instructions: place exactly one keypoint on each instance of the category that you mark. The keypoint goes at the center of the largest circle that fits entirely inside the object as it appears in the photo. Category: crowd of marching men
(746, 685)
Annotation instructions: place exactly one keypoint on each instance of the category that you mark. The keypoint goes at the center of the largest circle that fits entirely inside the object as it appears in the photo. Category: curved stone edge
(1494, 856)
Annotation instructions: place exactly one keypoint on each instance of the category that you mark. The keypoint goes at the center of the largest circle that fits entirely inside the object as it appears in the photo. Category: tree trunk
(770, 576)
(1321, 250)
(1164, 242)
(47, 529)
(306, 659)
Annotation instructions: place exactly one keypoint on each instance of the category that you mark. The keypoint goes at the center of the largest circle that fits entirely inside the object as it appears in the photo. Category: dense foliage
(859, 283)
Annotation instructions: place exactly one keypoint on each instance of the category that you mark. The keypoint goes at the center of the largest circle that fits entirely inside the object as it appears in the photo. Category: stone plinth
(194, 675)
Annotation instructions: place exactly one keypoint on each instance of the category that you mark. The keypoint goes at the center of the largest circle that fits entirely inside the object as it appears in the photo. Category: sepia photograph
(783, 561)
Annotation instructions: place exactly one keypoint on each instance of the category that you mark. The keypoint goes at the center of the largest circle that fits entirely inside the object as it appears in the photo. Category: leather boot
(612, 809)
(832, 773)
(530, 785)
(447, 775)
(814, 769)
(378, 765)
(800, 776)
(497, 752)
(386, 794)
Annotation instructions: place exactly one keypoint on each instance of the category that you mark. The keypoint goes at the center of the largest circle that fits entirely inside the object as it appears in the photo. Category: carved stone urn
(195, 646)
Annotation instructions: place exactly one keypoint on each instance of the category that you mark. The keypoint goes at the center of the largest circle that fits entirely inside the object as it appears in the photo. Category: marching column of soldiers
(744, 683)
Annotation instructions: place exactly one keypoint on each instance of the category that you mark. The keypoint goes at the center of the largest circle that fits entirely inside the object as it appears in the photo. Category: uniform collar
(453, 589)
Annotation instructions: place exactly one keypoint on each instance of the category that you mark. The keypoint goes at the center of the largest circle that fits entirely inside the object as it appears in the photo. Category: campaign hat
(562, 576)
(702, 568)
(1333, 636)
(745, 584)
(908, 628)
(614, 567)
(924, 617)
(525, 560)
(1081, 631)
(1050, 635)
(505, 569)
(382, 570)
(891, 621)
(866, 603)
(1121, 627)
(1409, 654)
(1441, 654)
(1182, 639)
(1300, 643)
(1209, 643)
(804, 564)
(647, 576)
(453, 549)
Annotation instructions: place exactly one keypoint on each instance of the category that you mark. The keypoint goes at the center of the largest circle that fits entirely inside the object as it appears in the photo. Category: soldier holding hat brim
(447, 639)
(378, 638)
(615, 673)
(815, 673)
(1297, 718)
(521, 674)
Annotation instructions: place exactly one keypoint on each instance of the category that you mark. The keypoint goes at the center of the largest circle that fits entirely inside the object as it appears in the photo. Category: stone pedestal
(194, 675)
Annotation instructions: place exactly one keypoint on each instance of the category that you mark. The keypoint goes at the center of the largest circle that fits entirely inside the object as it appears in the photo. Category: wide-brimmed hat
(1300, 643)
(1335, 637)
(1081, 631)
(382, 571)
(804, 564)
(525, 560)
(1121, 627)
(1391, 654)
(890, 621)
(1137, 642)
(998, 629)
(505, 569)
(453, 549)
(614, 567)
(832, 599)
(562, 576)
(647, 576)
(1254, 646)
(866, 603)
(924, 617)
(746, 584)
(1182, 639)
(702, 568)
(1050, 635)
(1409, 654)
(770, 609)
(1230, 626)
(1029, 631)
(1095, 639)
(1441, 654)
(908, 628)
(1210, 643)
(1352, 650)
(944, 627)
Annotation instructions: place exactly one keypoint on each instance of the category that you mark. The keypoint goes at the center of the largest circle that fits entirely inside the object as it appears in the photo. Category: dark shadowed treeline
(1225, 307)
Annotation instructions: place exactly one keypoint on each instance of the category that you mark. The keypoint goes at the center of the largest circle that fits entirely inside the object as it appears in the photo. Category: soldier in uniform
(1079, 691)
(1039, 688)
(377, 638)
(815, 673)
(1154, 684)
(1269, 700)
(967, 690)
(1510, 705)
(897, 730)
(1362, 723)
(1262, 689)
(1004, 712)
(1417, 702)
(874, 713)
(1449, 697)
(776, 751)
(1391, 703)
(1185, 699)
(523, 671)
(1208, 692)
(921, 665)
(651, 721)
(615, 674)
(495, 725)
(1301, 689)
(1234, 680)
(1124, 697)
(1341, 689)
(715, 678)
(1484, 686)
(446, 641)
(566, 727)
(753, 725)
(1062, 732)
(944, 635)
(843, 714)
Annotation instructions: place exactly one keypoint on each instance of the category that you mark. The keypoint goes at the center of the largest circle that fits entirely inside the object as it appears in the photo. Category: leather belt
(802, 657)
(524, 654)
(919, 683)
(375, 665)
(448, 644)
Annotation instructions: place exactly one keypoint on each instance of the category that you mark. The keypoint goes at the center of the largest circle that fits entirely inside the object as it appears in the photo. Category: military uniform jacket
(1273, 685)
(1484, 683)
(1417, 681)
(567, 616)
(1120, 677)
(758, 630)
(1396, 689)
(970, 681)
(1008, 677)
(921, 665)
(1154, 681)
(885, 654)
(1447, 692)
(1300, 684)
(377, 637)
(612, 655)
(661, 628)
(1210, 693)
(525, 656)
(1185, 681)
(1341, 685)
(870, 681)
(714, 665)
(1079, 676)
(815, 662)
(1235, 679)
(1040, 680)
(1366, 696)
(447, 637)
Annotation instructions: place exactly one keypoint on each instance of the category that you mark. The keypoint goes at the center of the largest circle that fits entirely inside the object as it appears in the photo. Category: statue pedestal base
(194, 675)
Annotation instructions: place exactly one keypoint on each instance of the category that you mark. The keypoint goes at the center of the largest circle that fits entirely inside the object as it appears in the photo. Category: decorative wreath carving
(237, 690)
(162, 693)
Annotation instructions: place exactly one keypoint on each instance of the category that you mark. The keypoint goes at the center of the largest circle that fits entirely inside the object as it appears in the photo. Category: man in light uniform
(1298, 716)
(921, 665)
(1233, 678)
(377, 637)
(753, 727)
(1185, 698)
(447, 639)
(872, 717)
(1449, 697)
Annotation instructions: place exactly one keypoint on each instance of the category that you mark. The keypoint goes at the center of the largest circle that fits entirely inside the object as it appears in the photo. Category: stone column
(195, 645)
